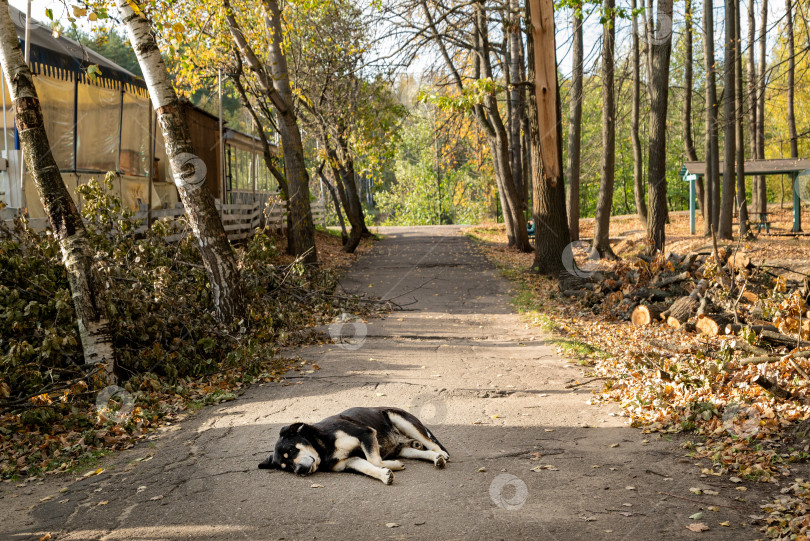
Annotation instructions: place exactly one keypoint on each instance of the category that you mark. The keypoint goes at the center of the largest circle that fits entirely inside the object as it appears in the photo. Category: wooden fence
(239, 220)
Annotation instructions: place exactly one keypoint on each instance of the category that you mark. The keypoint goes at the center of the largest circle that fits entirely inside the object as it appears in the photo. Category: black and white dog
(365, 440)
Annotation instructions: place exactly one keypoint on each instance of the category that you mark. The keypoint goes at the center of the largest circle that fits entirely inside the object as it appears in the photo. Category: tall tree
(711, 197)
(274, 79)
(730, 132)
(575, 122)
(472, 46)
(601, 236)
(660, 51)
(516, 99)
(762, 191)
(545, 121)
(752, 99)
(791, 93)
(638, 156)
(188, 170)
(86, 286)
(742, 203)
(688, 82)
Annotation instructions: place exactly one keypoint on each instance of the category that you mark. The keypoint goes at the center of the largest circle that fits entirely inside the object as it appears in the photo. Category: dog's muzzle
(305, 465)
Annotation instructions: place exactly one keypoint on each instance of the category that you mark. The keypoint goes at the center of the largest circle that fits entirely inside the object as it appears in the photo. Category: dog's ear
(268, 464)
(309, 433)
(289, 430)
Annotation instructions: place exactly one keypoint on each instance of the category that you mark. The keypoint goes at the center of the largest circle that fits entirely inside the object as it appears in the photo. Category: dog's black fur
(366, 440)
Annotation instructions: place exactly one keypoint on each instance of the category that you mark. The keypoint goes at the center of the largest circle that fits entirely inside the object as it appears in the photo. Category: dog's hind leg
(415, 430)
(432, 456)
(371, 448)
(365, 467)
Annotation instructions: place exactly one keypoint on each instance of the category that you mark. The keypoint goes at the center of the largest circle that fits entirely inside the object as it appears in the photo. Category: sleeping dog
(364, 440)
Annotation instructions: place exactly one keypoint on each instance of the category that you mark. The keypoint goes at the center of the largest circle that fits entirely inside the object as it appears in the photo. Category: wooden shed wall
(204, 129)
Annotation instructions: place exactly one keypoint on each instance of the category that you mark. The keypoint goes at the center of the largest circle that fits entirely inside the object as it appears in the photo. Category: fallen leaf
(697, 491)
(315, 485)
(103, 502)
(727, 524)
(696, 516)
(697, 527)
(391, 525)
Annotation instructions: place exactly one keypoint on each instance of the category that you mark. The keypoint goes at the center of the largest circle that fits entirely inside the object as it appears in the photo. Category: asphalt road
(459, 358)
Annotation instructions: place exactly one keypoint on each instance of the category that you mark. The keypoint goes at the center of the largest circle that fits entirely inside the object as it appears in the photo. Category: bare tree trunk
(730, 133)
(791, 92)
(86, 286)
(601, 237)
(688, 83)
(742, 204)
(518, 104)
(752, 101)
(344, 236)
(189, 172)
(712, 183)
(660, 51)
(762, 189)
(575, 124)
(545, 121)
(638, 156)
(276, 85)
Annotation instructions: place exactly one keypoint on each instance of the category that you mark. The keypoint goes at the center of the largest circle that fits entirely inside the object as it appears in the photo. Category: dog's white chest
(344, 445)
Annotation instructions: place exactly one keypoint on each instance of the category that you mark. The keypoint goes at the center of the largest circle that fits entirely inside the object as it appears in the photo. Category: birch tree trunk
(638, 157)
(87, 288)
(660, 53)
(730, 133)
(545, 128)
(575, 124)
(601, 236)
(188, 170)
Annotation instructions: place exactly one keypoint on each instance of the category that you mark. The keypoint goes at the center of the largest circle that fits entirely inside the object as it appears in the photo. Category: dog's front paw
(439, 462)
(387, 476)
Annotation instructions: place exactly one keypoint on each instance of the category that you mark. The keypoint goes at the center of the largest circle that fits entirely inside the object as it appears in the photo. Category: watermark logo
(114, 404)
(740, 420)
(661, 31)
(803, 185)
(189, 169)
(348, 331)
(508, 492)
(429, 409)
(569, 261)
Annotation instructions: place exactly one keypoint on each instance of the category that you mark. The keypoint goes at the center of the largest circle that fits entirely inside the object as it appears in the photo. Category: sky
(592, 30)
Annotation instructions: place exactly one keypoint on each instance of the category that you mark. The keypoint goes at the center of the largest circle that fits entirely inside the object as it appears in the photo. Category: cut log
(646, 293)
(772, 387)
(748, 348)
(644, 315)
(739, 260)
(669, 280)
(568, 281)
(674, 322)
(684, 308)
(782, 339)
(734, 328)
(712, 325)
(690, 260)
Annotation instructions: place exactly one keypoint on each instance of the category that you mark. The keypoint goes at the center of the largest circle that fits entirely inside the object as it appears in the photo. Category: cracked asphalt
(529, 457)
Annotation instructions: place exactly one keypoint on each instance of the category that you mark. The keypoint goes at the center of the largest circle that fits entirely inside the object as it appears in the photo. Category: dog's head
(294, 452)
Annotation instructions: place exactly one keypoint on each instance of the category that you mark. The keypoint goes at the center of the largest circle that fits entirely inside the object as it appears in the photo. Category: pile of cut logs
(712, 292)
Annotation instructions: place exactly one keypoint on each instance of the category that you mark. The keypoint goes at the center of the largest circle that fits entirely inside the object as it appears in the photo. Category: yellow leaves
(79, 11)
(178, 28)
